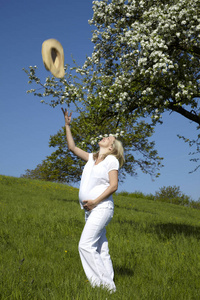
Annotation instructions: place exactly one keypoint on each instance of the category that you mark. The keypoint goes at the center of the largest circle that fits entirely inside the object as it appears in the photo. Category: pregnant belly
(85, 194)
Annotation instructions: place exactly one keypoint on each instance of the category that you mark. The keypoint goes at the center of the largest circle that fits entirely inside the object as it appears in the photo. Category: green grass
(154, 246)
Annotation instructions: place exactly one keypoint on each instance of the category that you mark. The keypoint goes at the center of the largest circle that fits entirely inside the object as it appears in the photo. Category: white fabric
(93, 249)
(93, 245)
(95, 179)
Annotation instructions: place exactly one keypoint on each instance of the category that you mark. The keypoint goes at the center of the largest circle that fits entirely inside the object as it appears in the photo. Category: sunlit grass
(154, 246)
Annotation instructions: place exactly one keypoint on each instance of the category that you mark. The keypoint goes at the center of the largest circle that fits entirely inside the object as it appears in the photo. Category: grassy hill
(154, 246)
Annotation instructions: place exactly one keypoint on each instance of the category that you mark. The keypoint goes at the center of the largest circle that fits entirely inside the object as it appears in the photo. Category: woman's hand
(89, 204)
(67, 117)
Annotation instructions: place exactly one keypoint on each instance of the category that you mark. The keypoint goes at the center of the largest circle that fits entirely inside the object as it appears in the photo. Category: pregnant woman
(99, 181)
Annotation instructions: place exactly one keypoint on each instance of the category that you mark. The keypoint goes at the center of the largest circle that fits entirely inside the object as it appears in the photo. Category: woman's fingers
(65, 112)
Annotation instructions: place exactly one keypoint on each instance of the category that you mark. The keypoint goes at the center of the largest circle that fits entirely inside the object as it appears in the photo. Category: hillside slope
(154, 246)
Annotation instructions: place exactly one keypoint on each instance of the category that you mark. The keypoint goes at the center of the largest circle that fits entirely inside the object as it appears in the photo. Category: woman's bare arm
(70, 141)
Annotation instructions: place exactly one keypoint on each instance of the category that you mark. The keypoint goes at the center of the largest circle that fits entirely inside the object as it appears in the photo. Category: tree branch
(187, 114)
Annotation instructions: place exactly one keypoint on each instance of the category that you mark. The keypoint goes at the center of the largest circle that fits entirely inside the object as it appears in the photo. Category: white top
(95, 180)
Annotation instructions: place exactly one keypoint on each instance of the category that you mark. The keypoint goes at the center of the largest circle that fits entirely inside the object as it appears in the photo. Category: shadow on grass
(168, 230)
(123, 271)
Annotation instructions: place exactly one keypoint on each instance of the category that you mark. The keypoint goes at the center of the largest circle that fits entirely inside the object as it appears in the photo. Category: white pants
(93, 248)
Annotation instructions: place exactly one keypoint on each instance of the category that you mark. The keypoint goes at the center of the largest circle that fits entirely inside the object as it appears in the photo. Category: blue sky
(26, 124)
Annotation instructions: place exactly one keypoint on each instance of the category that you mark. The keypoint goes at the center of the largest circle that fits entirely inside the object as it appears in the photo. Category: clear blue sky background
(26, 124)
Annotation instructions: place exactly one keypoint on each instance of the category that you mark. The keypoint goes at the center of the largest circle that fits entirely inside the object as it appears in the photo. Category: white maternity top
(95, 180)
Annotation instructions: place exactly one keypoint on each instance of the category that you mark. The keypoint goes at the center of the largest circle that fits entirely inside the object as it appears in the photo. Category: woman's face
(107, 142)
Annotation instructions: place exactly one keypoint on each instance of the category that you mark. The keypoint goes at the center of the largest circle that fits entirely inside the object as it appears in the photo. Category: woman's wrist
(96, 201)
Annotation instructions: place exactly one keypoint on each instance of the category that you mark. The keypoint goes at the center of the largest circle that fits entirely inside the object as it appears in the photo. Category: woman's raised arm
(70, 141)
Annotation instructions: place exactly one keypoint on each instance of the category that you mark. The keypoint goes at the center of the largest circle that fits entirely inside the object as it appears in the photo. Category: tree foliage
(63, 166)
(194, 144)
(173, 195)
(145, 61)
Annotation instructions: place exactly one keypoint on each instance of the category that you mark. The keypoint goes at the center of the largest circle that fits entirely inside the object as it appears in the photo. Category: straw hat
(53, 57)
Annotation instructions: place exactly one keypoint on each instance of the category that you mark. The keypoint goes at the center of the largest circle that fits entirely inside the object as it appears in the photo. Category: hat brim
(53, 57)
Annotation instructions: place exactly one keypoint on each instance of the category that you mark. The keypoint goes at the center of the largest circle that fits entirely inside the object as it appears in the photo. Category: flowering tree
(145, 61)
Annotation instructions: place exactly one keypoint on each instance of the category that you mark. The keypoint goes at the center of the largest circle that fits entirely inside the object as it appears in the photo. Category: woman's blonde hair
(117, 151)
